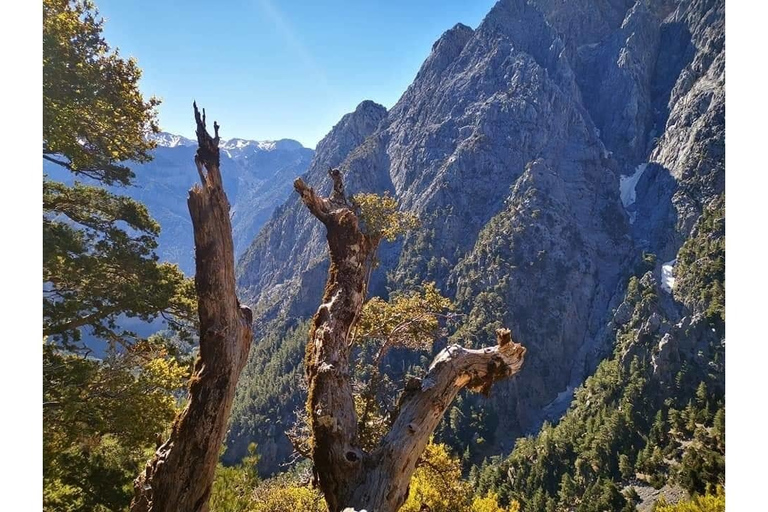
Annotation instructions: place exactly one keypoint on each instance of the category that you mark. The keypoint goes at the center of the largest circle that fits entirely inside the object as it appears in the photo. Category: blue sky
(271, 69)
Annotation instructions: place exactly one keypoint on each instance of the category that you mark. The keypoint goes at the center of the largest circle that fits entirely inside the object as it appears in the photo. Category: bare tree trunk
(180, 475)
(348, 476)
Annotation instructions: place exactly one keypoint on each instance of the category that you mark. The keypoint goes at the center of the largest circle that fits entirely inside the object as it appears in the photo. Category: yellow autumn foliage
(289, 499)
(380, 217)
(491, 504)
(707, 503)
(437, 484)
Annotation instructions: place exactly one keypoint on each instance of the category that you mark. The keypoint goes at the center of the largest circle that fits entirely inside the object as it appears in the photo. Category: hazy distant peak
(170, 140)
(262, 145)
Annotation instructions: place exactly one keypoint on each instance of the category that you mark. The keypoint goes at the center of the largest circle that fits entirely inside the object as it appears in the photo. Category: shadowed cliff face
(511, 145)
(291, 247)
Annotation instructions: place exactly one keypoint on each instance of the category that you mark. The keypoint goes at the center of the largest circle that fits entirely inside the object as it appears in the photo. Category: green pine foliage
(98, 256)
(101, 421)
(701, 265)
(623, 428)
(270, 390)
(233, 486)
(418, 261)
(99, 263)
(101, 417)
(238, 488)
(94, 116)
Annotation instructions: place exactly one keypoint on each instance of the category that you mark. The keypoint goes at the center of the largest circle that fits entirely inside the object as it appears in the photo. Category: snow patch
(242, 144)
(232, 147)
(170, 140)
(627, 186)
(668, 276)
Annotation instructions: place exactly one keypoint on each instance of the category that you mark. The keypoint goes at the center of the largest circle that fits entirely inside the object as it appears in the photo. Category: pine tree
(625, 467)
(98, 251)
(719, 427)
(689, 414)
(94, 116)
(100, 417)
(702, 403)
(568, 490)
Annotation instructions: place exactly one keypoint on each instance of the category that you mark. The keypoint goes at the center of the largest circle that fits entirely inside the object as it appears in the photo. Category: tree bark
(347, 475)
(180, 475)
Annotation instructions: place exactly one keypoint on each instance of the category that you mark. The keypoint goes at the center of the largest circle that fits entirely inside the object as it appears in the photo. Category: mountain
(257, 176)
(291, 244)
(549, 154)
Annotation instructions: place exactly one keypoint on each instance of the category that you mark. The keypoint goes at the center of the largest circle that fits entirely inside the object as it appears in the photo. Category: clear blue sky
(271, 69)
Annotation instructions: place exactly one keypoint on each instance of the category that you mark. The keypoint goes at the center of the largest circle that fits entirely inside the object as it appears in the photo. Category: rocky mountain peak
(286, 145)
(266, 264)
(170, 140)
(348, 133)
(445, 50)
(457, 35)
(509, 145)
(525, 26)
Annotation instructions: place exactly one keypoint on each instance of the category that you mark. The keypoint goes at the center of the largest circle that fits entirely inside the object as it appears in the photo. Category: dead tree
(179, 476)
(347, 475)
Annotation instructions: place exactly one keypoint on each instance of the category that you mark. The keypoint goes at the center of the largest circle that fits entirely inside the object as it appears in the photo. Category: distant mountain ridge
(257, 176)
(171, 140)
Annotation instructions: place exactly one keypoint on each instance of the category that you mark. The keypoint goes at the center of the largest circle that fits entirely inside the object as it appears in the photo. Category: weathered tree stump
(180, 475)
(347, 475)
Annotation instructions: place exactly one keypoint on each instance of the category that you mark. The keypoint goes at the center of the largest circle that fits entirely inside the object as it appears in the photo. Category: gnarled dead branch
(349, 476)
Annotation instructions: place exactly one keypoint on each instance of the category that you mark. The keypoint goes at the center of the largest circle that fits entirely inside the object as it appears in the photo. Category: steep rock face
(583, 22)
(464, 131)
(515, 145)
(692, 147)
(615, 77)
(287, 259)
(654, 85)
(505, 126)
(547, 266)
